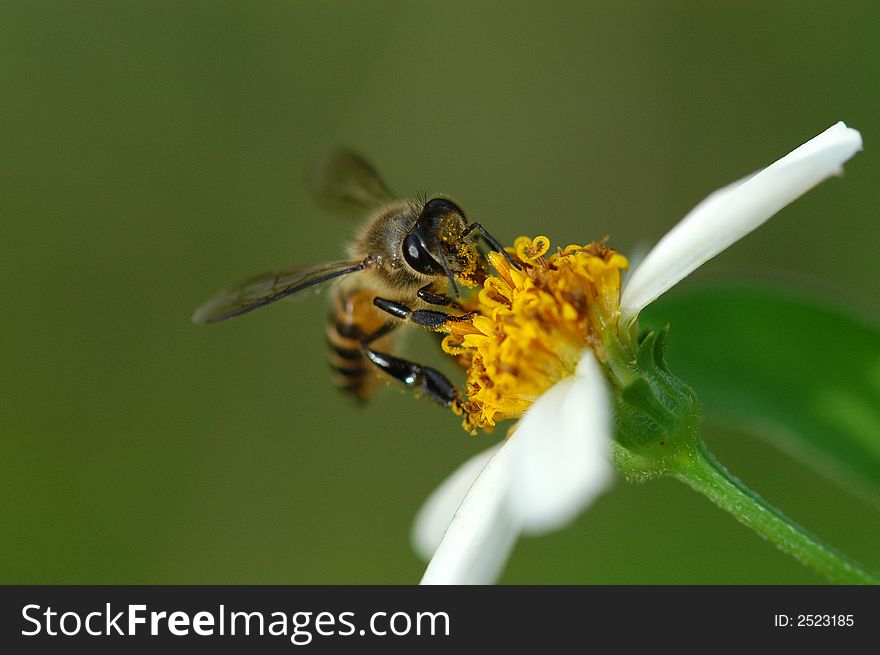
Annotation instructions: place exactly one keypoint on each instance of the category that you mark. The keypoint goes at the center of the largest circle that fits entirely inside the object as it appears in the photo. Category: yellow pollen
(530, 327)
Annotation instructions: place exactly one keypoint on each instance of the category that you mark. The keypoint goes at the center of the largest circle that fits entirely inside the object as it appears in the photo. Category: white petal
(437, 511)
(562, 451)
(732, 212)
(482, 533)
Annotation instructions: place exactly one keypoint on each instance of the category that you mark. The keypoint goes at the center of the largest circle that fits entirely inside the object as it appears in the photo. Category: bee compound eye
(417, 256)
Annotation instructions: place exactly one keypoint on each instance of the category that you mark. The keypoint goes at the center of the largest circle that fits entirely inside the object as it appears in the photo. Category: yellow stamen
(531, 326)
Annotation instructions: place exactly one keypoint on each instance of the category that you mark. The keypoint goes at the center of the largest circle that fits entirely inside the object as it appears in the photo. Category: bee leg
(492, 241)
(425, 317)
(428, 294)
(429, 380)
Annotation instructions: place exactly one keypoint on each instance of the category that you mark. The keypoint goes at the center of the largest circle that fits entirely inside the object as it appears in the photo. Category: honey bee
(408, 258)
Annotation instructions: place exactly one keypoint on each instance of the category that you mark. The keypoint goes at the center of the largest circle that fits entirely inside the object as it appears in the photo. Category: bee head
(437, 245)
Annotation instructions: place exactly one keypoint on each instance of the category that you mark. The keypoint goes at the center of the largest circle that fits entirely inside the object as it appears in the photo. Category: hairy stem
(703, 473)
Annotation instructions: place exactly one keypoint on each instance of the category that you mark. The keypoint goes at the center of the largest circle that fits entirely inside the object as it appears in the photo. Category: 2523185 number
(824, 620)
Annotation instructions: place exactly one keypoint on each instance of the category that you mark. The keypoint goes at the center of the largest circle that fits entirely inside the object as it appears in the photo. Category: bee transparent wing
(265, 289)
(341, 177)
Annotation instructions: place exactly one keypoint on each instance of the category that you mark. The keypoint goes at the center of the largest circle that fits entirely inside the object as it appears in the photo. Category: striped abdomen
(353, 317)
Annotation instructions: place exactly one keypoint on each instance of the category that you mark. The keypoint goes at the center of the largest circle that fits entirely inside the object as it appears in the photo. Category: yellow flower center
(530, 327)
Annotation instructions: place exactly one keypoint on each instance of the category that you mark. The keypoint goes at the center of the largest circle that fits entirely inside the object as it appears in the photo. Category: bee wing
(264, 289)
(342, 177)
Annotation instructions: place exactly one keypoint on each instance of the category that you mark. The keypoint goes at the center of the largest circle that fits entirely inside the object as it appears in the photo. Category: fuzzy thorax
(530, 327)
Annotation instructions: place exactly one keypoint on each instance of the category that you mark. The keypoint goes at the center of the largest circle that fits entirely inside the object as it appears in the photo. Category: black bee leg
(432, 382)
(428, 294)
(425, 317)
(429, 380)
(493, 242)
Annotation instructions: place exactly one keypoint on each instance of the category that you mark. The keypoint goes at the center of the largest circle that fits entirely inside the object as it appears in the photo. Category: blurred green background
(154, 152)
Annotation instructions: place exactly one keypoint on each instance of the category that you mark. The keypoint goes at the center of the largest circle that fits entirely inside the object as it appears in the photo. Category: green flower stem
(703, 473)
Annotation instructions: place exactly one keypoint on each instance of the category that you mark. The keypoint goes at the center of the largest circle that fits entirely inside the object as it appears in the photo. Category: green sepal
(658, 415)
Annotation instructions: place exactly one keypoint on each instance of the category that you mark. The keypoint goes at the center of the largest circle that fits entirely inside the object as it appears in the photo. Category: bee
(408, 260)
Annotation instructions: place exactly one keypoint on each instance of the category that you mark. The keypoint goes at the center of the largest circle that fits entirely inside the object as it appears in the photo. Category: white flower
(558, 459)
